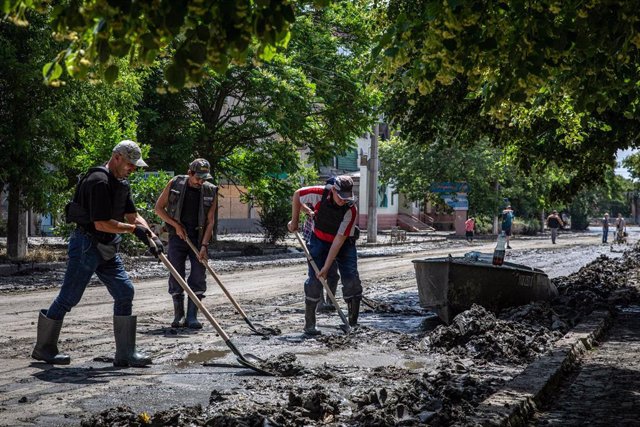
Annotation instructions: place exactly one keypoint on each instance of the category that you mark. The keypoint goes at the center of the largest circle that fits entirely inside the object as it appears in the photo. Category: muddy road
(373, 376)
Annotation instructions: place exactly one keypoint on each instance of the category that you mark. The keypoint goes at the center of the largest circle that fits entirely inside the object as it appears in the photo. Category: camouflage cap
(131, 152)
(201, 168)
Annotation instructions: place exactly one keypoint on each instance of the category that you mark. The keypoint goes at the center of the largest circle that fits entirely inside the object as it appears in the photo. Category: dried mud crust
(472, 358)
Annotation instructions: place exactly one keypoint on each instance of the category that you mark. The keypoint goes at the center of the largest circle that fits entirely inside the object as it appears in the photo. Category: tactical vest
(177, 191)
(329, 216)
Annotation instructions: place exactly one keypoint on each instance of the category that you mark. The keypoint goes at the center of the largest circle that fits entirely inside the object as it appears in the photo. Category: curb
(517, 400)
(10, 269)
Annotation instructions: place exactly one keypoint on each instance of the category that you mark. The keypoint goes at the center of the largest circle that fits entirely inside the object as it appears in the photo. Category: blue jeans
(347, 261)
(84, 260)
(179, 250)
(605, 235)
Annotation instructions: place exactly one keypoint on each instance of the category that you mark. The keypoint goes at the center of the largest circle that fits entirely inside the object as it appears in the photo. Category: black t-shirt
(190, 207)
(105, 197)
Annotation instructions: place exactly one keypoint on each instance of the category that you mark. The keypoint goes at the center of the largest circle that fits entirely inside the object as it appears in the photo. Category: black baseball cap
(343, 185)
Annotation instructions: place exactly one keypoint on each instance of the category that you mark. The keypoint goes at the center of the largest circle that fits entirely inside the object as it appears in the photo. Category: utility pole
(372, 182)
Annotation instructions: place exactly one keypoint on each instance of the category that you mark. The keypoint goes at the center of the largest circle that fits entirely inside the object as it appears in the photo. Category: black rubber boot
(326, 305)
(310, 318)
(178, 311)
(46, 348)
(124, 329)
(354, 311)
(192, 315)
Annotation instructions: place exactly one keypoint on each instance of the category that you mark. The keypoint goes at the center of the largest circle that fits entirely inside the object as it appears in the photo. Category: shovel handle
(192, 296)
(212, 320)
(217, 279)
(323, 281)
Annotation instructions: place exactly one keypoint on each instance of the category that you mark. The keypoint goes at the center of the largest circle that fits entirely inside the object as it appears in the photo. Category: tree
(206, 33)
(251, 121)
(50, 135)
(555, 80)
(30, 132)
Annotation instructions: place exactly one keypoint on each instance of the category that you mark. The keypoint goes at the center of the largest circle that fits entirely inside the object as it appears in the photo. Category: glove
(159, 248)
(143, 234)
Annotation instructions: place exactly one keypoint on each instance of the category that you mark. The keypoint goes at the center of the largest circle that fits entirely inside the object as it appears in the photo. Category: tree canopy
(203, 33)
(552, 84)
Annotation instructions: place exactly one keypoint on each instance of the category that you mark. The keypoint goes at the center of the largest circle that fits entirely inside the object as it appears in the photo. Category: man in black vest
(188, 207)
(332, 240)
(103, 209)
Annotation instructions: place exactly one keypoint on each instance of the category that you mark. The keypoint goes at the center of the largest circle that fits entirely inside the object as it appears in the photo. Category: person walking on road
(620, 226)
(469, 225)
(187, 205)
(102, 209)
(605, 228)
(333, 239)
(507, 223)
(554, 222)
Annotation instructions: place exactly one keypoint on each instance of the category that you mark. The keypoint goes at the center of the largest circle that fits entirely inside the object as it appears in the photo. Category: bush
(484, 225)
(273, 220)
(526, 226)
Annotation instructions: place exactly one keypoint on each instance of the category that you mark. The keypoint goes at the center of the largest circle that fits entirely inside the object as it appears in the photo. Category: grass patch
(38, 254)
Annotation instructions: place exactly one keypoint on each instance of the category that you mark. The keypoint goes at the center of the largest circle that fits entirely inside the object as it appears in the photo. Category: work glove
(143, 234)
(158, 249)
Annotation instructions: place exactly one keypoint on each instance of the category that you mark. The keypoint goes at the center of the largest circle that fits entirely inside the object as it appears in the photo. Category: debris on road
(469, 360)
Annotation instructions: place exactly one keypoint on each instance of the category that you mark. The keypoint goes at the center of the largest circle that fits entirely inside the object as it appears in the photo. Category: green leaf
(111, 74)
(52, 71)
(268, 52)
(197, 53)
(175, 76)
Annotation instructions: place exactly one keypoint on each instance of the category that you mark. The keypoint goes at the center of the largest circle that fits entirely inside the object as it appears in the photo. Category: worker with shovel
(332, 240)
(103, 209)
(325, 305)
(188, 205)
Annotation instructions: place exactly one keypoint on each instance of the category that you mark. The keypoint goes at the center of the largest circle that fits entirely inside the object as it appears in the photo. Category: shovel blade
(265, 332)
(247, 364)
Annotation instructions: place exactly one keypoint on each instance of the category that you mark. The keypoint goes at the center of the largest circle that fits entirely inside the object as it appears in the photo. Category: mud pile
(472, 358)
(602, 284)
(478, 334)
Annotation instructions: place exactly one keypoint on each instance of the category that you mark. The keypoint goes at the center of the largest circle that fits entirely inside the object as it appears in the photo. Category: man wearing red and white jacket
(333, 239)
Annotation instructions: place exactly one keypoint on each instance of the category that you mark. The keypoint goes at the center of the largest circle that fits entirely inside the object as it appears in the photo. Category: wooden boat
(450, 285)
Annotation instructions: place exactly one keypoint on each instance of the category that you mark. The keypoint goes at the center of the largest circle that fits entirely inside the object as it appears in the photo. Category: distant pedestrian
(605, 228)
(554, 222)
(620, 226)
(507, 223)
(469, 225)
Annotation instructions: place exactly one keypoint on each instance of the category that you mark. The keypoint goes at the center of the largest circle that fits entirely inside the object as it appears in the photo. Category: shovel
(346, 328)
(242, 359)
(264, 331)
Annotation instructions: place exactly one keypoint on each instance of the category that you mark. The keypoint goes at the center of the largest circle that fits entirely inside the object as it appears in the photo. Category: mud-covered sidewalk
(400, 367)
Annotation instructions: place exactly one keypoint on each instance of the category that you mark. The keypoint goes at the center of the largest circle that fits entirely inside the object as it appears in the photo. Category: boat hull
(449, 286)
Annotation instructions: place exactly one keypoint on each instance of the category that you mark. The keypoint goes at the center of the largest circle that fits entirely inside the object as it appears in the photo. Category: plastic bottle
(498, 253)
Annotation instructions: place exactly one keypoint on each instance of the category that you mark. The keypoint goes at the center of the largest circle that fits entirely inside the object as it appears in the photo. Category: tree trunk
(16, 225)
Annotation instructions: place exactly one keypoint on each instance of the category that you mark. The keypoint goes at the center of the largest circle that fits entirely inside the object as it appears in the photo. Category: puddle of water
(202, 357)
(393, 323)
(414, 365)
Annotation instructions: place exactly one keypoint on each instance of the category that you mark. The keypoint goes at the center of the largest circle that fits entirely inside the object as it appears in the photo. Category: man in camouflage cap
(102, 209)
(188, 205)
(130, 151)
